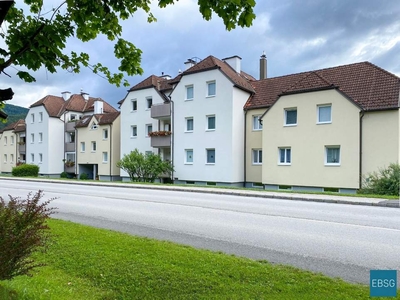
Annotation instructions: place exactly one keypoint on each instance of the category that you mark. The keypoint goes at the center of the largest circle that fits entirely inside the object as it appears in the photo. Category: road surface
(338, 240)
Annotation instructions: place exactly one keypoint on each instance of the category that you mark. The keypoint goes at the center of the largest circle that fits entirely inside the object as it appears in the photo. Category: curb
(378, 202)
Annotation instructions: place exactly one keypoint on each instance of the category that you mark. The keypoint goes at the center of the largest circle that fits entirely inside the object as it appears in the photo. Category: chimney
(235, 62)
(85, 95)
(66, 95)
(190, 63)
(263, 66)
(165, 76)
(98, 106)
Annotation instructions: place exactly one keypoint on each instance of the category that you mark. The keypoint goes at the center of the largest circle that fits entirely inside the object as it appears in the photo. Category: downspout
(111, 152)
(172, 137)
(360, 151)
(244, 146)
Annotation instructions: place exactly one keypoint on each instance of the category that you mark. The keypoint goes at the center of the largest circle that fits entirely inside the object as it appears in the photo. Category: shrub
(84, 176)
(384, 182)
(26, 170)
(23, 230)
(64, 175)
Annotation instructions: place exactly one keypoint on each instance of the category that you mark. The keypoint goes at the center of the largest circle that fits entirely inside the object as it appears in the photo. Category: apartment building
(12, 146)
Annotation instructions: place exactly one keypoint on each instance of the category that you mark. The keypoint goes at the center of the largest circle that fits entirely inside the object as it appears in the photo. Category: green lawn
(89, 263)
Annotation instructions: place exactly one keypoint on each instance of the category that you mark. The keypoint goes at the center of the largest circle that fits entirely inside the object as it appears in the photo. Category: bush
(26, 170)
(384, 182)
(23, 230)
(64, 175)
(84, 176)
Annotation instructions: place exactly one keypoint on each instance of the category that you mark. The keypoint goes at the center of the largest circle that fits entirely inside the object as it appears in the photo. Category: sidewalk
(235, 192)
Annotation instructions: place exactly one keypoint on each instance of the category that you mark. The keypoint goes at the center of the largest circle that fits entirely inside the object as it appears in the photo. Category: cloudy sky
(295, 35)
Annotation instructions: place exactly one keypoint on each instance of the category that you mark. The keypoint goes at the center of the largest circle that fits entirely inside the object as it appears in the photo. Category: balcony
(22, 148)
(70, 169)
(70, 126)
(161, 141)
(161, 111)
(69, 147)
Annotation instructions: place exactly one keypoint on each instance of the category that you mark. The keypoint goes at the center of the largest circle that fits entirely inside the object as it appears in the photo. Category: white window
(189, 124)
(105, 157)
(189, 156)
(285, 156)
(324, 114)
(83, 147)
(32, 158)
(5, 141)
(71, 137)
(133, 131)
(94, 126)
(189, 92)
(211, 122)
(40, 137)
(134, 105)
(5, 158)
(257, 156)
(149, 101)
(40, 158)
(94, 146)
(105, 134)
(257, 125)
(211, 88)
(332, 155)
(290, 116)
(70, 156)
(72, 117)
(40, 117)
(12, 140)
(210, 156)
(32, 138)
(11, 158)
(149, 129)
(32, 118)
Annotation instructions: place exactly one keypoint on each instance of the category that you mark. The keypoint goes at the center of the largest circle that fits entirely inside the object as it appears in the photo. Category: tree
(39, 39)
(144, 167)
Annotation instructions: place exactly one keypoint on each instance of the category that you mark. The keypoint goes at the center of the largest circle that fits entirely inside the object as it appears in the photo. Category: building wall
(115, 146)
(8, 148)
(380, 143)
(139, 118)
(253, 141)
(225, 139)
(308, 140)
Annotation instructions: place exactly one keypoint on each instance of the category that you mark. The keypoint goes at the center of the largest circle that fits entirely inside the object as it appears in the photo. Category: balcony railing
(22, 148)
(70, 169)
(70, 126)
(161, 111)
(69, 147)
(161, 141)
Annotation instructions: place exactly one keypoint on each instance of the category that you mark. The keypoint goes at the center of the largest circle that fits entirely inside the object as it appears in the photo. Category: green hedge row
(26, 170)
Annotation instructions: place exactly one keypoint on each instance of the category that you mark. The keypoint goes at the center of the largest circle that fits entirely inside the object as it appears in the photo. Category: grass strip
(89, 263)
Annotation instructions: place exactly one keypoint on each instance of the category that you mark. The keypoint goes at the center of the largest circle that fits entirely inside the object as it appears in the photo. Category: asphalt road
(338, 240)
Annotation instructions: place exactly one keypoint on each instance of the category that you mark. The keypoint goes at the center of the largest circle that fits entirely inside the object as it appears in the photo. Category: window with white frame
(72, 117)
(32, 118)
(134, 105)
(324, 114)
(257, 125)
(40, 158)
(12, 140)
(211, 88)
(210, 156)
(5, 141)
(332, 155)
(285, 156)
(71, 137)
(189, 156)
(257, 156)
(211, 122)
(94, 146)
(11, 158)
(189, 92)
(83, 146)
(189, 124)
(70, 156)
(133, 131)
(32, 158)
(40, 117)
(5, 158)
(290, 116)
(32, 138)
(40, 137)
(105, 157)
(105, 134)
(149, 129)
(149, 102)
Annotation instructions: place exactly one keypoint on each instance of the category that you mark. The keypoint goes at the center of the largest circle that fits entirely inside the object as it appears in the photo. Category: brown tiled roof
(52, 104)
(151, 81)
(102, 119)
(16, 126)
(369, 86)
(211, 62)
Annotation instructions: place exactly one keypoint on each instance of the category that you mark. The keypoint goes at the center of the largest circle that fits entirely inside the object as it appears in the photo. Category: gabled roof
(18, 126)
(52, 104)
(102, 119)
(159, 83)
(369, 86)
(209, 63)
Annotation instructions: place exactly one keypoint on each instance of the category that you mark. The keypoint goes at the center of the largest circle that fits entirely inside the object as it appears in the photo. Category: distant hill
(14, 113)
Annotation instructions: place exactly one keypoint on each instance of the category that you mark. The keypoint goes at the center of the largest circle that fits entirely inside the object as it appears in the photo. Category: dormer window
(94, 126)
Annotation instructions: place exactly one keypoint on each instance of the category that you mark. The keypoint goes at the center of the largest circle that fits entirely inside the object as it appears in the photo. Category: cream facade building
(12, 146)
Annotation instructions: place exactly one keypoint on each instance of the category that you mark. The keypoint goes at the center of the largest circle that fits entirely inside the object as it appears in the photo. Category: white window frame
(318, 114)
(40, 117)
(11, 158)
(326, 156)
(94, 126)
(207, 122)
(285, 160)
(207, 162)
(133, 135)
(285, 117)
(40, 158)
(32, 157)
(187, 94)
(187, 124)
(32, 138)
(105, 134)
(208, 88)
(187, 152)
(5, 158)
(149, 103)
(105, 157)
(257, 156)
(134, 105)
(257, 125)
(147, 129)
(12, 140)
(83, 147)
(93, 146)
(5, 141)
(32, 118)
(40, 137)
